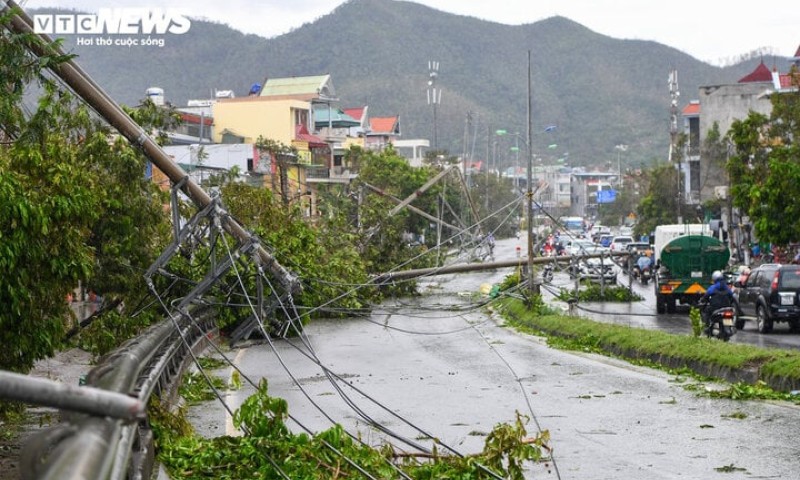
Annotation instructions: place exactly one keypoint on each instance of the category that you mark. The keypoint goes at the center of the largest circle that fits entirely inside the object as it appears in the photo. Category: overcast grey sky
(710, 31)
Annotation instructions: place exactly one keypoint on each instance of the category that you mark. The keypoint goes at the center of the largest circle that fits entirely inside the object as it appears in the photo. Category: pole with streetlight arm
(533, 288)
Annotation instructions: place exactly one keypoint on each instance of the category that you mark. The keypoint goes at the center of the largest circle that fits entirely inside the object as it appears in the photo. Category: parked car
(770, 294)
(595, 269)
(618, 243)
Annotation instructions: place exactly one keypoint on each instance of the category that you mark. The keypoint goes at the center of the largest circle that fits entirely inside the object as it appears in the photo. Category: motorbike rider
(644, 262)
(719, 295)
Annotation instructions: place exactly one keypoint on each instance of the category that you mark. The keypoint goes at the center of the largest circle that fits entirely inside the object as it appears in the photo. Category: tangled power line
(292, 333)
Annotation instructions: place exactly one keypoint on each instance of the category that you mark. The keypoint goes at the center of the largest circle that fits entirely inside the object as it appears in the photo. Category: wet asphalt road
(642, 314)
(454, 375)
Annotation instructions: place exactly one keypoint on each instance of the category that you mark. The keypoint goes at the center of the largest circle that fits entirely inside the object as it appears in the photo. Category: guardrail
(99, 446)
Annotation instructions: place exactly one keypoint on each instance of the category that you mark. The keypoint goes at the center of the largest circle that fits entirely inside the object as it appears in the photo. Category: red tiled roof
(760, 74)
(797, 53)
(356, 112)
(383, 124)
(301, 134)
(692, 109)
(786, 80)
(194, 118)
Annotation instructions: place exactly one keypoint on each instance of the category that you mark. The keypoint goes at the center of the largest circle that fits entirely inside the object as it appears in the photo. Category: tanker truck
(686, 256)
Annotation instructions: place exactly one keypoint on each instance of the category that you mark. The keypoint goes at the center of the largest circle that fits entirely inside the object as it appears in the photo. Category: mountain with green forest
(599, 91)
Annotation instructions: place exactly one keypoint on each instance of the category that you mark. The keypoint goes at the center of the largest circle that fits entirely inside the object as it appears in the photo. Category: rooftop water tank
(156, 95)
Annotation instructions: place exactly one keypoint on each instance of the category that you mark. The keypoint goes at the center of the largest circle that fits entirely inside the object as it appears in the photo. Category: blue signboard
(606, 196)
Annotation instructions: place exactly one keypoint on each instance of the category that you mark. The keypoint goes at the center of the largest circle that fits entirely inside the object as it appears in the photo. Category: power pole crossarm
(421, 190)
(411, 207)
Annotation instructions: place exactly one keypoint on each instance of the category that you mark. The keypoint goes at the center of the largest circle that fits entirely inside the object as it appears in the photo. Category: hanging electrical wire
(279, 357)
(312, 356)
(524, 392)
(207, 379)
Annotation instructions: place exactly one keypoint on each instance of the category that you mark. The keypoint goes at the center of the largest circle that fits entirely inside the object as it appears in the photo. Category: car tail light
(774, 286)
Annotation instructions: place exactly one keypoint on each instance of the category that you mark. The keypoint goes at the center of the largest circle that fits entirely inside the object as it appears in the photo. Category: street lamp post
(533, 289)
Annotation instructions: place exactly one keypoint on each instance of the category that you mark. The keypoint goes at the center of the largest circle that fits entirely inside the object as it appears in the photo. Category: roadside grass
(594, 292)
(777, 368)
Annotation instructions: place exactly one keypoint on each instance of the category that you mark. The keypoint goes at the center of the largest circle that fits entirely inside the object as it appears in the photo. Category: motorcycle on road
(645, 275)
(547, 273)
(720, 322)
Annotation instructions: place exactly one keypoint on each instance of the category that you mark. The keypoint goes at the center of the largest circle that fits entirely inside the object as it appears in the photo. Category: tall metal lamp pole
(532, 286)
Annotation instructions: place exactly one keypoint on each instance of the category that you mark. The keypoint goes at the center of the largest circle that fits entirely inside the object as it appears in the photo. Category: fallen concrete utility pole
(413, 208)
(92, 94)
(475, 267)
(421, 190)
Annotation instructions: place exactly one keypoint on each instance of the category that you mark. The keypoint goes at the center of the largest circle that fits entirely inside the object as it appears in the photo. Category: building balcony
(323, 174)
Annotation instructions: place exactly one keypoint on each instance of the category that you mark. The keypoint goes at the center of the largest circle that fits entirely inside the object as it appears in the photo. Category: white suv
(618, 243)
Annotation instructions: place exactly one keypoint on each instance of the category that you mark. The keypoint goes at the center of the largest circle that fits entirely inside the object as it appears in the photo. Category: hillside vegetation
(599, 90)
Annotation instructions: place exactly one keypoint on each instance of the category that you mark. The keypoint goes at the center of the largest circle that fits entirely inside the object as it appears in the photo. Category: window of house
(300, 116)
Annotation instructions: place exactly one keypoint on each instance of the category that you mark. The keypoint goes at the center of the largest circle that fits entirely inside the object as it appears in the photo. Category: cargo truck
(686, 256)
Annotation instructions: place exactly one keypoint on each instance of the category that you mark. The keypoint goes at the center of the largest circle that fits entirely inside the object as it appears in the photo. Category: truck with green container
(686, 256)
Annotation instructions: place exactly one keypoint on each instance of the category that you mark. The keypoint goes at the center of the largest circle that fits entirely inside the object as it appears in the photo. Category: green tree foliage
(74, 206)
(439, 158)
(765, 169)
(325, 260)
(659, 205)
(579, 76)
(156, 120)
(381, 243)
(714, 153)
(497, 203)
(269, 449)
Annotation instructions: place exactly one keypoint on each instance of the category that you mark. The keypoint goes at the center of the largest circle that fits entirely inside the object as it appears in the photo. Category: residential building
(723, 104)
(287, 110)
(583, 191)
(382, 132)
(690, 165)
(337, 128)
(361, 115)
(416, 146)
